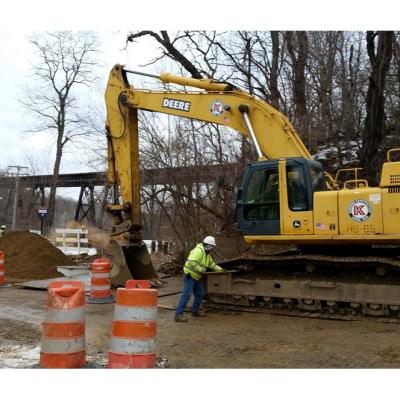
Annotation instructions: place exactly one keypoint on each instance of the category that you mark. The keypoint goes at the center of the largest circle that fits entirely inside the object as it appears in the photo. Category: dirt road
(221, 340)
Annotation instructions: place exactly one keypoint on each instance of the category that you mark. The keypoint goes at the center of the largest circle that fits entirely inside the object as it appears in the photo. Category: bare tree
(392, 105)
(186, 202)
(297, 46)
(349, 108)
(169, 49)
(65, 62)
(380, 50)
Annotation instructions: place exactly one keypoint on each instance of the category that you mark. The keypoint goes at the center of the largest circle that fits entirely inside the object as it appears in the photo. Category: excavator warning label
(359, 210)
(176, 104)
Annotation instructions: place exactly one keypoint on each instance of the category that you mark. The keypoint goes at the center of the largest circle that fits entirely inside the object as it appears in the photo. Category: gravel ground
(221, 340)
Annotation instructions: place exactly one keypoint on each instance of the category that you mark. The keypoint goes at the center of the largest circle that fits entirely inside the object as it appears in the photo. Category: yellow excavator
(347, 233)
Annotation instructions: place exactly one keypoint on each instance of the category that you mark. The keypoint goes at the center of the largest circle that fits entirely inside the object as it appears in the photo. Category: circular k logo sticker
(217, 107)
(359, 210)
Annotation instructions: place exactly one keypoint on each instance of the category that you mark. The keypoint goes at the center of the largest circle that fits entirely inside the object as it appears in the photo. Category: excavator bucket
(130, 262)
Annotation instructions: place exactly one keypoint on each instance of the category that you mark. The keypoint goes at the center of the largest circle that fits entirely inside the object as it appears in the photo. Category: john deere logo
(359, 210)
(296, 224)
(176, 104)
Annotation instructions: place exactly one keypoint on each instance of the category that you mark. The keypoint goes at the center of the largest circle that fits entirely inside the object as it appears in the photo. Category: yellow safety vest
(198, 262)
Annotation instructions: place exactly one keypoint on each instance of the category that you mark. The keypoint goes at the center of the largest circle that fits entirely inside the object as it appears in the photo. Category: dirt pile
(29, 256)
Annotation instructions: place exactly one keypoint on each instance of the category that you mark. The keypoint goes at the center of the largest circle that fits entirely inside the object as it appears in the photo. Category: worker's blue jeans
(190, 286)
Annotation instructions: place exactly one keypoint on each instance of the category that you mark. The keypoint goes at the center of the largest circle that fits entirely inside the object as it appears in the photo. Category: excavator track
(346, 315)
(326, 286)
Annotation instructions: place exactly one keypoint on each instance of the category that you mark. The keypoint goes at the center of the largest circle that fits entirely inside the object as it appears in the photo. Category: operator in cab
(197, 263)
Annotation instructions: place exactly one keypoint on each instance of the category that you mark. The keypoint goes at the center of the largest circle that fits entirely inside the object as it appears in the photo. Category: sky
(14, 74)
(37, 151)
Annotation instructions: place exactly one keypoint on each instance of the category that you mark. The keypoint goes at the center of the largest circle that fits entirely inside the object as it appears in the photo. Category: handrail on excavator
(390, 152)
(206, 84)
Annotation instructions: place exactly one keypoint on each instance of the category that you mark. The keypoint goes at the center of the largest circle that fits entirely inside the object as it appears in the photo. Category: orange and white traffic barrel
(3, 283)
(100, 280)
(134, 327)
(63, 338)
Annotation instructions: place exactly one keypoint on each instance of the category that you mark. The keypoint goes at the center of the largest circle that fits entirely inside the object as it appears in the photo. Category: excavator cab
(275, 189)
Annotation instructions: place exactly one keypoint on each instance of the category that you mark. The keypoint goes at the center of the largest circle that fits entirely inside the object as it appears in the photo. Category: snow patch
(19, 356)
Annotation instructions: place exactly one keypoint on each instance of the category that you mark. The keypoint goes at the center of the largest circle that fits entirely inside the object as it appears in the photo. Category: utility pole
(15, 170)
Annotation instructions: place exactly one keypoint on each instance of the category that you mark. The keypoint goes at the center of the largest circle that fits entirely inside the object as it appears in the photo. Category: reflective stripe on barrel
(62, 316)
(100, 278)
(63, 338)
(99, 275)
(130, 346)
(62, 346)
(134, 328)
(124, 313)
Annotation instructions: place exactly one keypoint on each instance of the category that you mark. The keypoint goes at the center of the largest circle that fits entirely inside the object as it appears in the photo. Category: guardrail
(157, 246)
(73, 241)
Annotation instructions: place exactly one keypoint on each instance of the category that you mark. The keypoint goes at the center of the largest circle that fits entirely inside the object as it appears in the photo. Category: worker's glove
(200, 270)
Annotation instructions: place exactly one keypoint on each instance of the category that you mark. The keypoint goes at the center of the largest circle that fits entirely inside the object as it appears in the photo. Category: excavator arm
(270, 132)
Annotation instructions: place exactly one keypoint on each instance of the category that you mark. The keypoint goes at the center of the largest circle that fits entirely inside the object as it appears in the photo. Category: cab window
(296, 185)
(261, 200)
(317, 175)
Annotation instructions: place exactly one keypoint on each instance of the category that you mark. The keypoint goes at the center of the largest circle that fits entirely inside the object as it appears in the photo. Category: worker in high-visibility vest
(2, 230)
(196, 265)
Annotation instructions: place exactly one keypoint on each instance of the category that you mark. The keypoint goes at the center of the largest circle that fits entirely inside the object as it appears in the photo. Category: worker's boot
(180, 318)
(199, 314)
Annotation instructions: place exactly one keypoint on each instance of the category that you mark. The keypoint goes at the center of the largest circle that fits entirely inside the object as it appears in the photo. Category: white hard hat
(209, 240)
